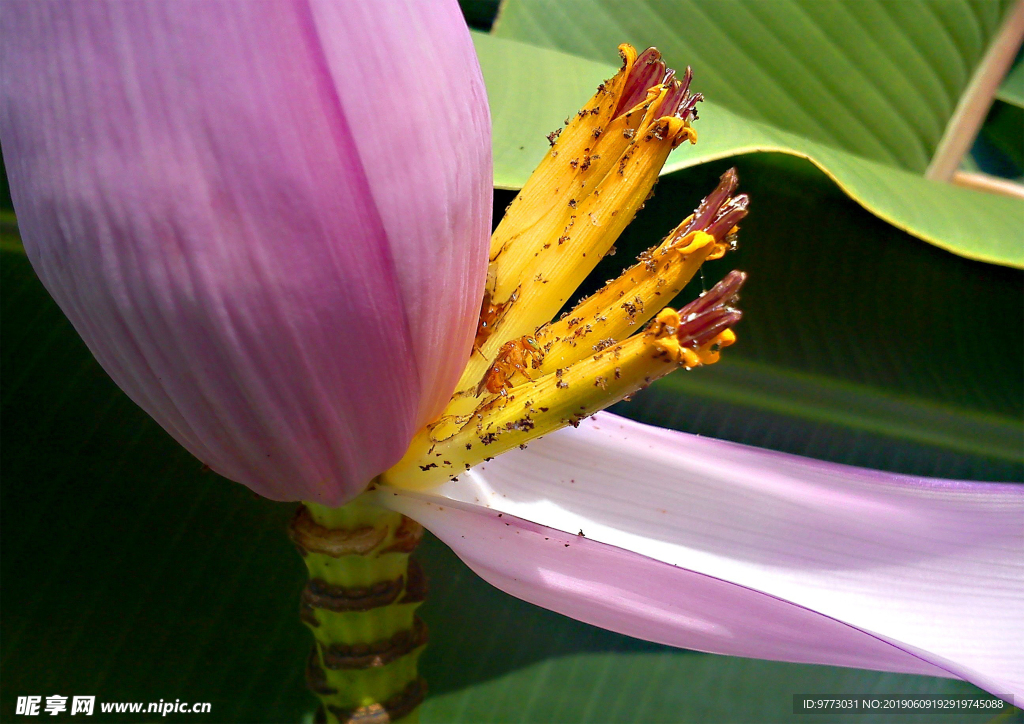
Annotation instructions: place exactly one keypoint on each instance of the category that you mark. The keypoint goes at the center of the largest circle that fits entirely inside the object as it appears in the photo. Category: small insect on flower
(490, 315)
(514, 356)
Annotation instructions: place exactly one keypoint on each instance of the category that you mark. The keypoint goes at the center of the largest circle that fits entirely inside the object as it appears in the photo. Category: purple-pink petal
(423, 128)
(268, 221)
(730, 549)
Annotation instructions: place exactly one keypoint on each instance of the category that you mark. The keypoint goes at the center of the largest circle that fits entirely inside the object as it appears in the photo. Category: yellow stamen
(561, 398)
(594, 144)
(528, 375)
(627, 302)
(591, 227)
(546, 188)
(586, 230)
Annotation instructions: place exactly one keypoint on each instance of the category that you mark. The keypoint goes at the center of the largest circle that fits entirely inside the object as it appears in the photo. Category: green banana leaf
(862, 90)
(857, 344)
(876, 79)
(1012, 89)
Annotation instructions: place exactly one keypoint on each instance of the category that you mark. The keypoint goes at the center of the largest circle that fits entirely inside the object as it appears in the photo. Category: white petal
(725, 548)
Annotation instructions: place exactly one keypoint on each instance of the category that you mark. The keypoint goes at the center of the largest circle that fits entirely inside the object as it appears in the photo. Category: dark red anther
(707, 326)
(689, 106)
(710, 204)
(720, 211)
(673, 99)
(712, 312)
(678, 101)
(728, 216)
(687, 78)
(648, 71)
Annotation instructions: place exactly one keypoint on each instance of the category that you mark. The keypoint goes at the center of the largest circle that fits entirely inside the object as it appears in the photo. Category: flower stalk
(360, 604)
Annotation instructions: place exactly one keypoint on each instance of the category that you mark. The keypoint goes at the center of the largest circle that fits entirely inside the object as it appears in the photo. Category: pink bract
(267, 220)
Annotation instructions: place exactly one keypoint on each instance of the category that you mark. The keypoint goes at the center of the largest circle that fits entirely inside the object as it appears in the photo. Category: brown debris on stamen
(606, 375)
(641, 291)
(529, 374)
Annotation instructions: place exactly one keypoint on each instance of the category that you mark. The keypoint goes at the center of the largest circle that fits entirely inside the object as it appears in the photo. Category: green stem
(360, 603)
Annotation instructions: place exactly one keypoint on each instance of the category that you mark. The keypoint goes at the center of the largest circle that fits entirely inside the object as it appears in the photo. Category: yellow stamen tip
(690, 359)
(697, 240)
(726, 338)
(628, 54)
(667, 319)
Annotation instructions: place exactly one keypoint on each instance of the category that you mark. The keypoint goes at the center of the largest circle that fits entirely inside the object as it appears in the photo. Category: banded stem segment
(360, 604)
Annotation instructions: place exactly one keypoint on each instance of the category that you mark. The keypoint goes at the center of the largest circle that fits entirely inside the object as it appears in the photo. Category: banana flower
(269, 223)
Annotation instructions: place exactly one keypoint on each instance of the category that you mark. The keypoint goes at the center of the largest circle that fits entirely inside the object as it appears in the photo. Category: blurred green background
(131, 574)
